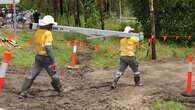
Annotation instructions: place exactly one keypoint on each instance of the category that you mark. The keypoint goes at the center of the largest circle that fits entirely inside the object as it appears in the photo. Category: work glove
(53, 68)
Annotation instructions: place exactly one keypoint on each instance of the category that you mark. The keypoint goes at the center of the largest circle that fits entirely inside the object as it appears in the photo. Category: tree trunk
(77, 14)
(85, 20)
(67, 12)
(55, 8)
(61, 7)
(152, 24)
(106, 6)
(120, 10)
(110, 7)
(85, 12)
(102, 14)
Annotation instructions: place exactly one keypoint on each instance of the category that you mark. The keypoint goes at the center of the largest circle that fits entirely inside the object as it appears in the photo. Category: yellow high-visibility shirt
(127, 47)
(42, 38)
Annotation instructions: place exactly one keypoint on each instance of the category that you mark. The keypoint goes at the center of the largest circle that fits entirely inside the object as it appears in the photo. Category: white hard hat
(47, 20)
(128, 29)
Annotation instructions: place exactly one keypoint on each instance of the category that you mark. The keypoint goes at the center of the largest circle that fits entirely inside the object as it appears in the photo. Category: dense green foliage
(172, 16)
(85, 13)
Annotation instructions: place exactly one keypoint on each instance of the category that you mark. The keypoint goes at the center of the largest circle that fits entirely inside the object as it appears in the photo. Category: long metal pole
(92, 32)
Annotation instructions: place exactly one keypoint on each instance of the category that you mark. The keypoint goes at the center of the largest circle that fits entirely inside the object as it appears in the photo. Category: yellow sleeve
(120, 45)
(48, 38)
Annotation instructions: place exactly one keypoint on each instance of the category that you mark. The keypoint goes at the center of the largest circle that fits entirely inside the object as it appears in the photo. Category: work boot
(57, 86)
(138, 83)
(26, 85)
(24, 94)
(60, 93)
(114, 84)
(137, 80)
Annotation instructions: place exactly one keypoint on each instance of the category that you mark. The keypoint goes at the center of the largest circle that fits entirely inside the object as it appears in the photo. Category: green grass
(169, 105)
(24, 56)
(103, 57)
(165, 51)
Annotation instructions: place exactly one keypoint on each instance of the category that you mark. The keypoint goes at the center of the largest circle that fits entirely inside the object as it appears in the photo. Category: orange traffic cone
(109, 49)
(73, 57)
(82, 44)
(97, 47)
(189, 92)
(68, 43)
(29, 42)
(3, 68)
(1, 83)
(10, 38)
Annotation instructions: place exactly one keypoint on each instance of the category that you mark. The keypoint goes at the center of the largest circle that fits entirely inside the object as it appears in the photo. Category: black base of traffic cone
(185, 94)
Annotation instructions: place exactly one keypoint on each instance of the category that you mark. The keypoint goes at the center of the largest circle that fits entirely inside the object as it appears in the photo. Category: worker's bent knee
(30, 77)
(55, 76)
(118, 74)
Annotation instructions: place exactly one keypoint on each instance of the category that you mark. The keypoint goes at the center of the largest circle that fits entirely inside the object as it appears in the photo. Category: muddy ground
(88, 88)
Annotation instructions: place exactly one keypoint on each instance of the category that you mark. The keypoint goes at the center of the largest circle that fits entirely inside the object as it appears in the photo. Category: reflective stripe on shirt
(48, 44)
(42, 53)
(122, 47)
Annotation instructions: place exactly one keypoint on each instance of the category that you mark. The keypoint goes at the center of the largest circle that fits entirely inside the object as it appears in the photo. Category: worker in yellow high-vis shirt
(127, 58)
(44, 58)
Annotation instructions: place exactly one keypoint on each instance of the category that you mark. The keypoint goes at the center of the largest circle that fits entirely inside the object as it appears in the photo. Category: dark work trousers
(126, 61)
(40, 63)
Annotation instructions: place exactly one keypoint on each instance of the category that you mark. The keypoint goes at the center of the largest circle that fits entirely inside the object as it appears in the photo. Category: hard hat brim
(132, 29)
(43, 23)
